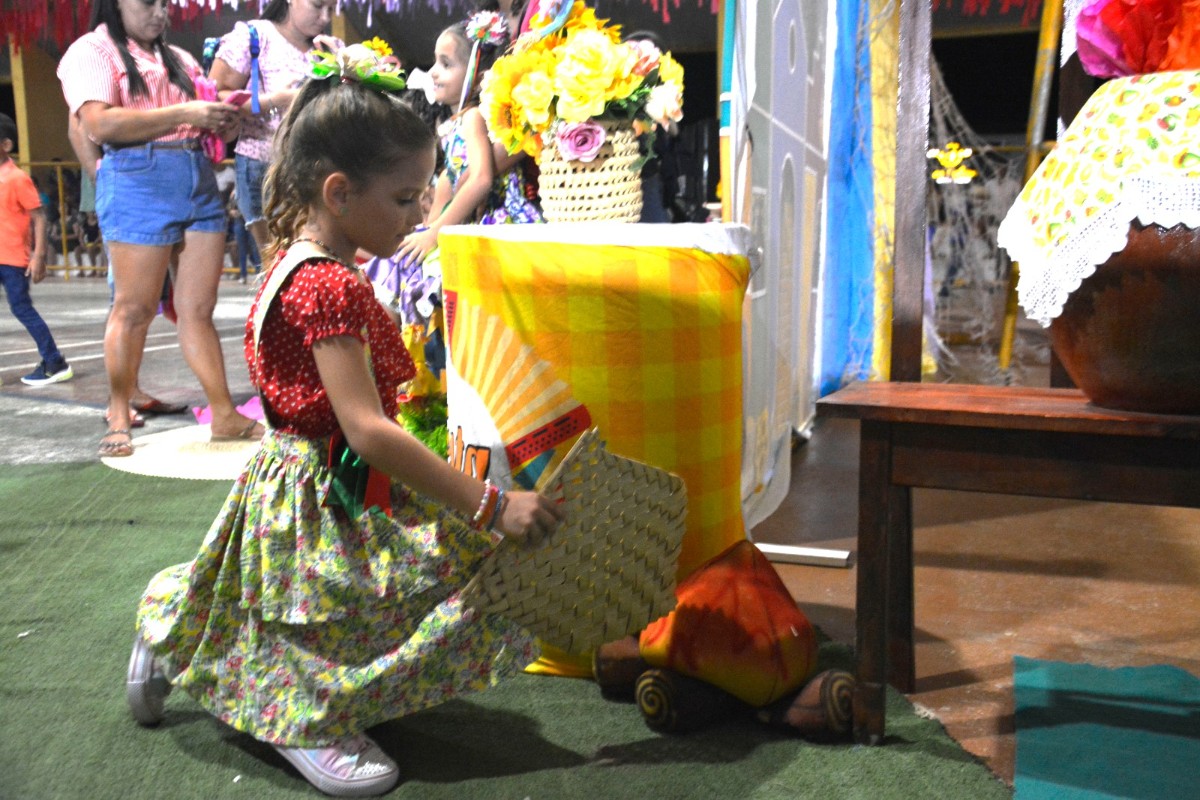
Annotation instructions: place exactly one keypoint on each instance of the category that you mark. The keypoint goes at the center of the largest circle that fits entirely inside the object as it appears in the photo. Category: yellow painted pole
(16, 60)
(1043, 75)
(724, 101)
(20, 100)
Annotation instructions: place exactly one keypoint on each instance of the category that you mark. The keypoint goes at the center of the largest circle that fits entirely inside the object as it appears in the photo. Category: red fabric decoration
(1143, 27)
(1183, 45)
(737, 628)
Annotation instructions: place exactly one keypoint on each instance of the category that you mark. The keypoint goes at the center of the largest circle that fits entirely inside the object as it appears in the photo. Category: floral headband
(371, 64)
(483, 28)
(487, 27)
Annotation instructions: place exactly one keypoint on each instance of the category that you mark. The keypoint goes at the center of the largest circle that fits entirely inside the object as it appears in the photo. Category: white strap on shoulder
(297, 254)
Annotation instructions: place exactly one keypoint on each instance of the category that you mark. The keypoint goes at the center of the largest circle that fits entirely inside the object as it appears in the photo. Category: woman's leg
(197, 281)
(138, 272)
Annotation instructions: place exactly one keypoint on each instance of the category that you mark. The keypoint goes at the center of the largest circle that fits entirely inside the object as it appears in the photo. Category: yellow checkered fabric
(648, 340)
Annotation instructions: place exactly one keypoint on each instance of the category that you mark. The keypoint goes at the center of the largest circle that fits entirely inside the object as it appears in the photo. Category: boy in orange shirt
(19, 205)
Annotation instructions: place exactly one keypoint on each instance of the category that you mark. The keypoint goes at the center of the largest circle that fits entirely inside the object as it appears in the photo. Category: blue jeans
(250, 173)
(247, 249)
(152, 195)
(16, 288)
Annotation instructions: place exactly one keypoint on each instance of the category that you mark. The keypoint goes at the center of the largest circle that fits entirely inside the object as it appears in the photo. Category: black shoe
(43, 375)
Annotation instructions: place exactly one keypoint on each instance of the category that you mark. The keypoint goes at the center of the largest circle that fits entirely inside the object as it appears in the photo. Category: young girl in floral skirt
(325, 598)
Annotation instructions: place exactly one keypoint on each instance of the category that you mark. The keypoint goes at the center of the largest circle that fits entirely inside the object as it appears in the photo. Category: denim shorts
(250, 172)
(152, 195)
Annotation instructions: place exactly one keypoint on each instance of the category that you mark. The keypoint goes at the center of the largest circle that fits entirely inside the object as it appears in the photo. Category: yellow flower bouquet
(573, 70)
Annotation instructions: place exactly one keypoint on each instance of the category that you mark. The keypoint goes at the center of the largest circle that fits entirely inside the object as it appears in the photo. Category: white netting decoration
(967, 271)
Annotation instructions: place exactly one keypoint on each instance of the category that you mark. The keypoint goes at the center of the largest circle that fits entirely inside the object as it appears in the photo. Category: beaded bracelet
(487, 506)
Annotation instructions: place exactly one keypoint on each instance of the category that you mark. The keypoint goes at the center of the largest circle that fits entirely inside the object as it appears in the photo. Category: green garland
(425, 418)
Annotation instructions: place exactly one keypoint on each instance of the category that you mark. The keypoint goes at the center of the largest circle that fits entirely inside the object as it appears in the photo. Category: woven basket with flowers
(575, 97)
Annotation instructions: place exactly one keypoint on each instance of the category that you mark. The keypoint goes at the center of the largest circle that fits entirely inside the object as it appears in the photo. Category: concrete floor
(999, 576)
(996, 576)
(64, 422)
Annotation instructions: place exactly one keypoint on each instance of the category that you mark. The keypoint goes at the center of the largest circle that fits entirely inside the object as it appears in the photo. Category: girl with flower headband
(462, 55)
(326, 597)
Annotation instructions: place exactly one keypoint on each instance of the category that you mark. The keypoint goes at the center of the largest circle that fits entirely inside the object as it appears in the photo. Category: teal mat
(1091, 732)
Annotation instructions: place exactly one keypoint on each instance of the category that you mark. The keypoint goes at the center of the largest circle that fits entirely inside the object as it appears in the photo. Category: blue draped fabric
(847, 314)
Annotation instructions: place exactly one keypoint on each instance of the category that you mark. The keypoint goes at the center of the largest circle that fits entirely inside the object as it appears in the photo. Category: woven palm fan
(608, 570)
(533, 411)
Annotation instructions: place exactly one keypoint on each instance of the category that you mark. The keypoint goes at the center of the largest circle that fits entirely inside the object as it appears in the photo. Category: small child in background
(21, 210)
(468, 189)
(88, 242)
(326, 597)
(462, 54)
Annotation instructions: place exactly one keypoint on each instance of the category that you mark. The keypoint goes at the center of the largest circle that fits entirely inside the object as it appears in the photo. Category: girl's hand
(417, 245)
(528, 517)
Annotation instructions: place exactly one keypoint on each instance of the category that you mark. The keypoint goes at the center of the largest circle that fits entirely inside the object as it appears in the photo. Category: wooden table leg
(901, 658)
(874, 492)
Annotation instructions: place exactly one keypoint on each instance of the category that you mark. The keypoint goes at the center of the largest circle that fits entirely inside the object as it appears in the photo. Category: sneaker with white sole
(146, 687)
(353, 767)
(44, 374)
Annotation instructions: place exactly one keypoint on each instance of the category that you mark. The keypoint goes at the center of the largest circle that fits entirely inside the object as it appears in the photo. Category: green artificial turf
(79, 543)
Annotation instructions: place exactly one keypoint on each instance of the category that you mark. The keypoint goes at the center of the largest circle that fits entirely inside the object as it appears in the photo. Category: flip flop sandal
(246, 434)
(116, 449)
(136, 420)
(156, 406)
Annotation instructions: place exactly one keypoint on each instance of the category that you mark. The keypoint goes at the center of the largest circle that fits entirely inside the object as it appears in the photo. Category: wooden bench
(1004, 439)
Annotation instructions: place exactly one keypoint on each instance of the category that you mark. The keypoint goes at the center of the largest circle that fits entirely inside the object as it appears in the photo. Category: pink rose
(580, 141)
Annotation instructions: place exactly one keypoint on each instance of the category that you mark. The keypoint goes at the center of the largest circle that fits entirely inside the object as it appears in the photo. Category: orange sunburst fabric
(736, 627)
(644, 342)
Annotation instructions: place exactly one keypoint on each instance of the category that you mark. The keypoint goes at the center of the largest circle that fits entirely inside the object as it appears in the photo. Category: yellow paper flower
(669, 71)
(584, 18)
(578, 73)
(535, 96)
(625, 81)
(588, 65)
(379, 46)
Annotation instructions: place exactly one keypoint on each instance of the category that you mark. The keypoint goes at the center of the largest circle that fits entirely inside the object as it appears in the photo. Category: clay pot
(1129, 336)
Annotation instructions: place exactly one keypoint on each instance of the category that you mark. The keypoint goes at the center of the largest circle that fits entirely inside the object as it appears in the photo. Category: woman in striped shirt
(155, 190)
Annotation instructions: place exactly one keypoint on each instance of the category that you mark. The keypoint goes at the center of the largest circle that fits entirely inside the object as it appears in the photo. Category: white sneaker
(353, 767)
(145, 685)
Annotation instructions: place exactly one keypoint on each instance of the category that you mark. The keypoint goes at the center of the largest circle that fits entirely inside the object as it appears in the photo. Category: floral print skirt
(300, 626)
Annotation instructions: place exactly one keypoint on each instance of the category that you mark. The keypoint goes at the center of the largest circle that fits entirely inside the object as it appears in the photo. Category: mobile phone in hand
(238, 98)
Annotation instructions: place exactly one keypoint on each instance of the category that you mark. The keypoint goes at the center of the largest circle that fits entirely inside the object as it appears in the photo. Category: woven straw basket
(607, 189)
(608, 570)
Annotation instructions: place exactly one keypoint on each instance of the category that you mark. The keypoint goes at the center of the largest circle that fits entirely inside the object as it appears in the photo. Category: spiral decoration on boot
(837, 700)
(656, 700)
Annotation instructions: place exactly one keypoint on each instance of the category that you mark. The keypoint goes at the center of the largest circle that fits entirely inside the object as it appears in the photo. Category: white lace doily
(1047, 282)
(1131, 153)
